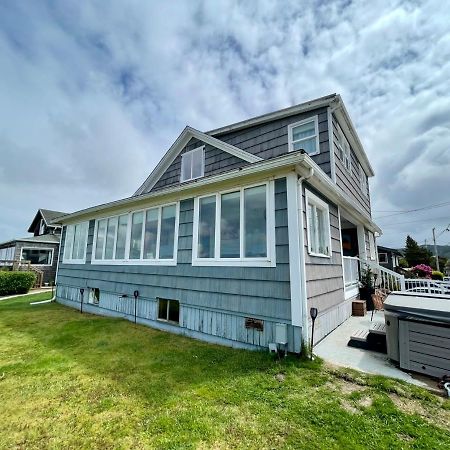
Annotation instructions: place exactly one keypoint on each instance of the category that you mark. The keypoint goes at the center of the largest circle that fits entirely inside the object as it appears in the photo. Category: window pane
(151, 231)
(197, 163)
(68, 242)
(309, 145)
(303, 131)
(255, 241)
(121, 237)
(174, 311)
(312, 228)
(101, 230)
(207, 227)
(162, 309)
(37, 256)
(137, 221)
(110, 235)
(229, 225)
(321, 222)
(82, 239)
(186, 165)
(167, 238)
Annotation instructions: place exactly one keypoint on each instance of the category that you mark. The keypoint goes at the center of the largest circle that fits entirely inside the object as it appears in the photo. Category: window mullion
(217, 242)
(158, 233)
(128, 238)
(115, 237)
(241, 224)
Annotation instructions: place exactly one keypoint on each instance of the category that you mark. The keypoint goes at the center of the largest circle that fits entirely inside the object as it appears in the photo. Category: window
(372, 247)
(94, 296)
(364, 181)
(382, 257)
(192, 164)
(75, 243)
(146, 236)
(42, 227)
(38, 256)
(318, 226)
(7, 253)
(169, 310)
(304, 135)
(235, 227)
(344, 151)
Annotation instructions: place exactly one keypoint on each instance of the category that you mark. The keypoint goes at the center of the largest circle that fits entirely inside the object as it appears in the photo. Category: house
(388, 257)
(236, 233)
(41, 249)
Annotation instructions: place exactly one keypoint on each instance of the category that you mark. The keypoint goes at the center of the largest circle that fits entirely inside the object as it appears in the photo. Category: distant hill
(443, 250)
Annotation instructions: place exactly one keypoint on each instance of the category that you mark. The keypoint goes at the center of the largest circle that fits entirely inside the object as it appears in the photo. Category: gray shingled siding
(48, 271)
(267, 141)
(216, 161)
(349, 182)
(324, 282)
(209, 296)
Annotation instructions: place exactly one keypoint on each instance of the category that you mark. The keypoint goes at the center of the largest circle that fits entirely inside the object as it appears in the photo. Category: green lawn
(80, 381)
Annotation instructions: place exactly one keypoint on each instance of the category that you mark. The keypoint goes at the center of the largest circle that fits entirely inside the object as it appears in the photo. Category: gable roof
(334, 101)
(48, 215)
(180, 143)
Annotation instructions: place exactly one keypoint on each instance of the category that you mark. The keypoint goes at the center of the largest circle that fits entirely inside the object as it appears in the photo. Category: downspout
(305, 329)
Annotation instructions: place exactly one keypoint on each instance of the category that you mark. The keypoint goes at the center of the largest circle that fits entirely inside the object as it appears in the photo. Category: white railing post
(402, 283)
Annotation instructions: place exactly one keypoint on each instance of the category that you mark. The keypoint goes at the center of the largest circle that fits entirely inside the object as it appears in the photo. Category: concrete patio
(334, 350)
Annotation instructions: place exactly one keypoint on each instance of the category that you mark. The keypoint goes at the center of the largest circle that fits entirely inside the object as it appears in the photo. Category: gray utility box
(418, 332)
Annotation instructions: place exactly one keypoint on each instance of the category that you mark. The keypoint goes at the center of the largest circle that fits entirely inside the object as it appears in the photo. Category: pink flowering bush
(422, 271)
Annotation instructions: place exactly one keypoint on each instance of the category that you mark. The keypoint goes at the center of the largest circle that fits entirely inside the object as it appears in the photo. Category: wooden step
(378, 328)
(360, 335)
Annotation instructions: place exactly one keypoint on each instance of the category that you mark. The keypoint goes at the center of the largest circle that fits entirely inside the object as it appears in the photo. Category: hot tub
(418, 332)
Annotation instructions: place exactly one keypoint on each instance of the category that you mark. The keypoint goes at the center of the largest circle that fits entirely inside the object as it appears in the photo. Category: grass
(80, 381)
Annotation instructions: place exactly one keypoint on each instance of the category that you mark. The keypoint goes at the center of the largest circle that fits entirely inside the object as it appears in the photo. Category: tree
(415, 254)
(442, 262)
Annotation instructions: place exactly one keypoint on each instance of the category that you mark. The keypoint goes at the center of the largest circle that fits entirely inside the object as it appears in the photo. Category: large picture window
(235, 227)
(140, 237)
(304, 135)
(318, 226)
(38, 256)
(75, 243)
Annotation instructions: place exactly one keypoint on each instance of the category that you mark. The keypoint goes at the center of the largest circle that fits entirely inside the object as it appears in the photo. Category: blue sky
(93, 93)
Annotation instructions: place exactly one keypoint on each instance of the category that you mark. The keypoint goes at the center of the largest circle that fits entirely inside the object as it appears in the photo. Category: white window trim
(385, 260)
(316, 201)
(137, 262)
(202, 148)
(75, 261)
(303, 122)
(39, 248)
(268, 261)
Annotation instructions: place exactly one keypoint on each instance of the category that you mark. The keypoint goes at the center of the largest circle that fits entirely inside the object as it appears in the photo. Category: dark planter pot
(365, 293)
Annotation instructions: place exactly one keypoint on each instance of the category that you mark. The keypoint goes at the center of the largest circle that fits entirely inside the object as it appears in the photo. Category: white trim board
(180, 143)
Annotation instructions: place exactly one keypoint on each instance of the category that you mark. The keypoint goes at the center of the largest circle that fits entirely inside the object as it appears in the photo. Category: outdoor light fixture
(81, 304)
(313, 313)
(136, 295)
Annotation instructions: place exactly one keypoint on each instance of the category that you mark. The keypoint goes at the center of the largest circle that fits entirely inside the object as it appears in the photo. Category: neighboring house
(235, 234)
(388, 257)
(41, 249)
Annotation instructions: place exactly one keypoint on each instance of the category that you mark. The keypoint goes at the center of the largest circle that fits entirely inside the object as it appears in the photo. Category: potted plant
(367, 287)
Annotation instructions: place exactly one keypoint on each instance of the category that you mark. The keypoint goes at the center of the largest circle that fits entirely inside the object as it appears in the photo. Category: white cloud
(91, 97)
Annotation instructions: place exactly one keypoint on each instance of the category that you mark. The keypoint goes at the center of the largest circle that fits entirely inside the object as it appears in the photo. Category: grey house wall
(349, 182)
(48, 271)
(214, 301)
(324, 276)
(267, 141)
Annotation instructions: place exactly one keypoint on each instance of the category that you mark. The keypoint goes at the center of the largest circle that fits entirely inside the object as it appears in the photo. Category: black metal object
(81, 304)
(136, 295)
(313, 313)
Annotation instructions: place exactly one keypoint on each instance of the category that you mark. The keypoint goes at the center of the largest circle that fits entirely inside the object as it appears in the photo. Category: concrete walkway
(334, 349)
(32, 291)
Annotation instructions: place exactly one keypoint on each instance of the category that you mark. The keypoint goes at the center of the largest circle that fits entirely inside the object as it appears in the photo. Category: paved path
(32, 291)
(334, 349)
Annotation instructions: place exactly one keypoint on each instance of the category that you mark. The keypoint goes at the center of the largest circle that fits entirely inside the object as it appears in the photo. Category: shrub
(16, 282)
(402, 263)
(422, 271)
(436, 275)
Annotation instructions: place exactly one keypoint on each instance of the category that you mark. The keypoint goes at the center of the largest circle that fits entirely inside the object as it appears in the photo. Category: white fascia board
(180, 143)
(346, 123)
(302, 107)
(264, 168)
(323, 183)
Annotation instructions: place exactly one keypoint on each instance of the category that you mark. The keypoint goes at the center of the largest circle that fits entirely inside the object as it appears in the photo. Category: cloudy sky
(93, 93)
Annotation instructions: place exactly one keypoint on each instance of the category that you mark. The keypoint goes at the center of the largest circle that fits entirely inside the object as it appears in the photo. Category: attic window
(193, 164)
(304, 135)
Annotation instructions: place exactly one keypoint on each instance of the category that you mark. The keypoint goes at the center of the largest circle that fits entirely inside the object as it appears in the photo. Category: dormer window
(193, 164)
(304, 135)
(42, 227)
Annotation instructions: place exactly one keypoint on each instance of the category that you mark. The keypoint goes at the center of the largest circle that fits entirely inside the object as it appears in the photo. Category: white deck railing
(385, 278)
(427, 286)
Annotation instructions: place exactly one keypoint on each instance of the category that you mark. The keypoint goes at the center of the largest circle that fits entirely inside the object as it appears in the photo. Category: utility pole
(435, 249)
